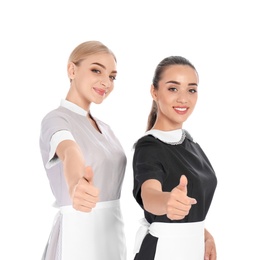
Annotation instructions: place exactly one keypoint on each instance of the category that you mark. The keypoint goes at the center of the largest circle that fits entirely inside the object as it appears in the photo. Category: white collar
(73, 107)
(173, 137)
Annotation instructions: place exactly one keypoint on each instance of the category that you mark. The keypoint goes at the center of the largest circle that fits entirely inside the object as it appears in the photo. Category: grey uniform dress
(78, 235)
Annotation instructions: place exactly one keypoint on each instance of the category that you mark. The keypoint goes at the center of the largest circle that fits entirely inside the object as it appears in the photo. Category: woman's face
(176, 96)
(92, 80)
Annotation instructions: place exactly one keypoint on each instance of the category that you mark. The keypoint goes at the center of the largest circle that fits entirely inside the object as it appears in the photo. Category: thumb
(183, 187)
(88, 175)
(183, 184)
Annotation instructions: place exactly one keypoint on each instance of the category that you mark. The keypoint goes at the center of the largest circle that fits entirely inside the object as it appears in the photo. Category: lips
(181, 110)
(101, 92)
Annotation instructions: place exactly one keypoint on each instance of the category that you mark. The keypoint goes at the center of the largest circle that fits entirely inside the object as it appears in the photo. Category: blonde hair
(85, 49)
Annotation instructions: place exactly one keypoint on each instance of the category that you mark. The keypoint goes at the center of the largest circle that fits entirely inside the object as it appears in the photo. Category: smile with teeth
(181, 110)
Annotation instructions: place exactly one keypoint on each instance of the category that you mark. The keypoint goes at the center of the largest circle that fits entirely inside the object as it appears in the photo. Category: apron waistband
(160, 229)
(99, 205)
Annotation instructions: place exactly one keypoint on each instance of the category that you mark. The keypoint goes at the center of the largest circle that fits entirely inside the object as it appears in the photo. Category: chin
(97, 102)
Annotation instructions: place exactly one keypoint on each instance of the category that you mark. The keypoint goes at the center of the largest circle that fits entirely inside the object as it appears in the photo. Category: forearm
(207, 235)
(155, 201)
(73, 163)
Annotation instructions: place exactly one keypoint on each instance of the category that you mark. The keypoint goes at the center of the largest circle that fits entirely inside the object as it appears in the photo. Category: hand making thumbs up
(179, 204)
(85, 194)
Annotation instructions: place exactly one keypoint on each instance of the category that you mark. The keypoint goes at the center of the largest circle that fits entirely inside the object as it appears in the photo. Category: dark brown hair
(161, 67)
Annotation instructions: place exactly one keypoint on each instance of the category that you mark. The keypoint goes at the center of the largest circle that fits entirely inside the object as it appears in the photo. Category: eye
(193, 90)
(172, 89)
(113, 78)
(96, 71)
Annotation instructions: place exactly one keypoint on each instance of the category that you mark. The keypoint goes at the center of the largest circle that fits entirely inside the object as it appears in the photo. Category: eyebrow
(101, 65)
(178, 83)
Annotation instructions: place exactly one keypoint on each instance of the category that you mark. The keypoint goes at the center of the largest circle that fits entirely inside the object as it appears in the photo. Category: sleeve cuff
(57, 138)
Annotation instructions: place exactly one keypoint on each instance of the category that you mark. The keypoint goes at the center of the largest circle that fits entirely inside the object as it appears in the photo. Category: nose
(182, 98)
(104, 82)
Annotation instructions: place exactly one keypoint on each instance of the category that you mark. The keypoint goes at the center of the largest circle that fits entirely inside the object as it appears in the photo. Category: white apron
(97, 235)
(176, 241)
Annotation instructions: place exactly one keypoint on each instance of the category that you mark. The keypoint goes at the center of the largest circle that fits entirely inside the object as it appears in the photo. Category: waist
(159, 229)
(99, 205)
(176, 231)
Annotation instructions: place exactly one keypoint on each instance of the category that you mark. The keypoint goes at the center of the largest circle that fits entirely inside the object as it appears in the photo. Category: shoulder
(59, 111)
(148, 142)
(56, 119)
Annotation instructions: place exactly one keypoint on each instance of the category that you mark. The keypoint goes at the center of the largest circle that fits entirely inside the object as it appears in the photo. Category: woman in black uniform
(174, 182)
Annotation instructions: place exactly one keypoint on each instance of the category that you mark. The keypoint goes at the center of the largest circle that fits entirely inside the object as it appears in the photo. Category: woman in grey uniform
(85, 163)
(174, 182)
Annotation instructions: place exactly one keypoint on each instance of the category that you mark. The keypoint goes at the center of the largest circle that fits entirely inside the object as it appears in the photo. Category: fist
(85, 195)
(179, 204)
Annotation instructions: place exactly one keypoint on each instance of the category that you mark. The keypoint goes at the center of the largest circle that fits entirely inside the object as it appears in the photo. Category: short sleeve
(147, 164)
(57, 138)
(57, 126)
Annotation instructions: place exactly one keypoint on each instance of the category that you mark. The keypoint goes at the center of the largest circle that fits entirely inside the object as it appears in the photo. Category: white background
(225, 40)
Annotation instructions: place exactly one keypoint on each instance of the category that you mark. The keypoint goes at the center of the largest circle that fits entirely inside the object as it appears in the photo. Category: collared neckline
(73, 107)
(173, 137)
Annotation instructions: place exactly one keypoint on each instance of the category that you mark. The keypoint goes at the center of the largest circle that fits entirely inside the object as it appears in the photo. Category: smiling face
(176, 96)
(92, 80)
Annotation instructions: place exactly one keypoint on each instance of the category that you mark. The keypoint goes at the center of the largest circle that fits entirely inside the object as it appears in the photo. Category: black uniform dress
(164, 161)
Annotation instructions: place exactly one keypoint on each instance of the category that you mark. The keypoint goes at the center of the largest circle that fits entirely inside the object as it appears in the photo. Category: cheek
(195, 99)
(111, 88)
(167, 99)
(193, 103)
(192, 99)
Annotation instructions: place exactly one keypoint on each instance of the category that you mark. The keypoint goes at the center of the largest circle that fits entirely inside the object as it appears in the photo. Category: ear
(71, 70)
(153, 92)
